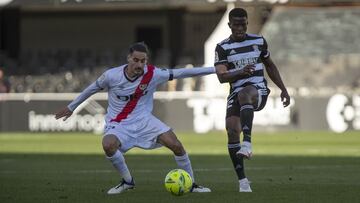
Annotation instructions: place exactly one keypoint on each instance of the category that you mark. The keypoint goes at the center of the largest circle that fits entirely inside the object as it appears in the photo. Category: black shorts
(233, 106)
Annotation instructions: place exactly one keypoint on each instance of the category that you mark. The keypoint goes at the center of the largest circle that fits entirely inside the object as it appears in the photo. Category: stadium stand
(70, 71)
(316, 47)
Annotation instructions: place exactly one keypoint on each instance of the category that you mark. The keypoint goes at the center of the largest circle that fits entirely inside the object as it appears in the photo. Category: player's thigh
(233, 129)
(169, 140)
(248, 95)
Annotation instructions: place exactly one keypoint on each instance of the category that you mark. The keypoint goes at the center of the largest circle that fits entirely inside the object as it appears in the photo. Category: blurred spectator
(4, 83)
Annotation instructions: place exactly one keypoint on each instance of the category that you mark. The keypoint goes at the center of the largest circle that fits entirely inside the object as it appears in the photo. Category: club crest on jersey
(255, 47)
(143, 86)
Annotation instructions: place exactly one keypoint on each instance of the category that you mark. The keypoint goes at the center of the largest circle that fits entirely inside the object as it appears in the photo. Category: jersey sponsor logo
(245, 61)
(131, 97)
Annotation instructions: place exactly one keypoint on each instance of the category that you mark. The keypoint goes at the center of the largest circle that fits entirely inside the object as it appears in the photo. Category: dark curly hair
(139, 46)
(237, 12)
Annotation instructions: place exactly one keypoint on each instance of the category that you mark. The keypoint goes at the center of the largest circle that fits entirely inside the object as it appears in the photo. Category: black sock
(246, 119)
(238, 163)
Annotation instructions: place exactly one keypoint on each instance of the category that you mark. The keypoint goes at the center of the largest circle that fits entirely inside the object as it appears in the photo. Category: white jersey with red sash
(130, 100)
(130, 103)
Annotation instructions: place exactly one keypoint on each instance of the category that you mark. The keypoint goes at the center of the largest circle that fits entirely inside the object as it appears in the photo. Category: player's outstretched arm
(86, 93)
(274, 75)
(224, 75)
(67, 111)
(191, 72)
(63, 113)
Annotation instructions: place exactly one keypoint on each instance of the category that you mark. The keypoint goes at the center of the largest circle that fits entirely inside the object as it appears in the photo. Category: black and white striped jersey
(237, 54)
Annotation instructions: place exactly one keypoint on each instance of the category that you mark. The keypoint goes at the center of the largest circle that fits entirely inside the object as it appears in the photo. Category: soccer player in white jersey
(240, 61)
(129, 121)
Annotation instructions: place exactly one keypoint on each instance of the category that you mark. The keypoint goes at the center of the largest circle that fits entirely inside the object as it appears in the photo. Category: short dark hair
(237, 12)
(139, 46)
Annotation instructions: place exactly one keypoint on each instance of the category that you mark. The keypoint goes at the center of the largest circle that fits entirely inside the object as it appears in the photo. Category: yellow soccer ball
(178, 182)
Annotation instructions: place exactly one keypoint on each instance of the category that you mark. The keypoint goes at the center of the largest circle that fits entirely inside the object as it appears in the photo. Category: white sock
(184, 163)
(118, 161)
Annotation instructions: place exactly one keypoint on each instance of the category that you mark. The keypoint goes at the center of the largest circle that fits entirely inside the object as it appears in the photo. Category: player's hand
(64, 113)
(248, 70)
(285, 98)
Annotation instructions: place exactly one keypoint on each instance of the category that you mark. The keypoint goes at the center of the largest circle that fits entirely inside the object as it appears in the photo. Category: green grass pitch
(286, 167)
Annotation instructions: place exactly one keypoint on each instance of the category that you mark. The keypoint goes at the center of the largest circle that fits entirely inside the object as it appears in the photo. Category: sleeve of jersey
(264, 51)
(96, 86)
(162, 75)
(190, 72)
(220, 56)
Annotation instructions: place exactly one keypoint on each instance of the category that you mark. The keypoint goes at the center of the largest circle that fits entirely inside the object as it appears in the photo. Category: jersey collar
(232, 39)
(133, 79)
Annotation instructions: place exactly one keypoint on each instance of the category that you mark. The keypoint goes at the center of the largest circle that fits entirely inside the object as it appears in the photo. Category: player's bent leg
(233, 132)
(248, 98)
(169, 140)
(111, 146)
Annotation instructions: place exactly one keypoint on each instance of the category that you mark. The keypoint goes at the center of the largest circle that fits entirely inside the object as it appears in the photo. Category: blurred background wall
(60, 46)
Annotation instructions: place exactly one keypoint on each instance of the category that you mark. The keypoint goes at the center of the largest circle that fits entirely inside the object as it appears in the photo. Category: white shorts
(142, 133)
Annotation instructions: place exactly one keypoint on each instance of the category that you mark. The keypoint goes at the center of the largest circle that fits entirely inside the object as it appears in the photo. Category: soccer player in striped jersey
(240, 60)
(129, 121)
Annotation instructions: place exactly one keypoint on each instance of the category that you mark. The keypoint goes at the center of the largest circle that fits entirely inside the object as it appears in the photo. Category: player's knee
(110, 145)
